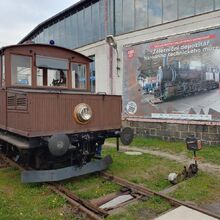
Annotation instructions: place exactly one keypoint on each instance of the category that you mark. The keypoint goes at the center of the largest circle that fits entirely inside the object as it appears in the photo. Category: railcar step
(38, 176)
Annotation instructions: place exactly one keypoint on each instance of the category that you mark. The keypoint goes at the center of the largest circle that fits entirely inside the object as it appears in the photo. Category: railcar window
(78, 76)
(21, 70)
(51, 72)
(51, 77)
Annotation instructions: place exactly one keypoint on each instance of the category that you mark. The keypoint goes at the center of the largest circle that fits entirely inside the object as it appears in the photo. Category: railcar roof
(43, 45)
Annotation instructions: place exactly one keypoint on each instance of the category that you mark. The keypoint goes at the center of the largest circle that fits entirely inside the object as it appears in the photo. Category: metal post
(117, 143)
(194, 153)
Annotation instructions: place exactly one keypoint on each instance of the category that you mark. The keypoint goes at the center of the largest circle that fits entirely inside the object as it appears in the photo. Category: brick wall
(208, 132)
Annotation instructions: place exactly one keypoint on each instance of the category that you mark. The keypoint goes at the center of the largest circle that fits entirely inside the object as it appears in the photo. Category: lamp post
(112, 43)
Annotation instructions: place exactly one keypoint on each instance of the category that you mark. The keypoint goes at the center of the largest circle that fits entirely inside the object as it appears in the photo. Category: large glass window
(217, 4)
(110, 17)
(46, 36)
(102, 18)
(186, 8)
(88, 24)
(80, 22)
(51, 72)
(128, 15)
(21, 70)
(50, 33)
(78, 76)
(119, 16)
(40, 38)
(56, 33)
(62, 33)
(73, 29)
(141, 14)
(203, 6)
(68, 32)
(92, 74)
(155, 12)
(95, 21)
(169, 10)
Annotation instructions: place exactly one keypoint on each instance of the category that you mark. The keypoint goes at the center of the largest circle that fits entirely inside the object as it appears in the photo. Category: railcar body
(49, 119)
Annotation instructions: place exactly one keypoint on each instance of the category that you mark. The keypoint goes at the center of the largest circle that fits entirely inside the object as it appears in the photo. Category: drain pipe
(111, 69)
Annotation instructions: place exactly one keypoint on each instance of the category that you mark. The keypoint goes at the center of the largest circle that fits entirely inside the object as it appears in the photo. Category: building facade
(156, 40)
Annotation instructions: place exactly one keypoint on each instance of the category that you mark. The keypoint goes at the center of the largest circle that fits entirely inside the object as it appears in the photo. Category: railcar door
(2, 93)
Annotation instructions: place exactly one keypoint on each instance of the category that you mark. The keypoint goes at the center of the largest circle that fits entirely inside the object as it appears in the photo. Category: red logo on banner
(183, 41)
(131, 53)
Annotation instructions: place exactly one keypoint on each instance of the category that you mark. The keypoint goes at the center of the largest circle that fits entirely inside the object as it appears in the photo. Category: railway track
(94, 211)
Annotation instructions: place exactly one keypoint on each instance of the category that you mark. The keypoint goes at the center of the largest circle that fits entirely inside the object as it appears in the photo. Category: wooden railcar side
(45, 114)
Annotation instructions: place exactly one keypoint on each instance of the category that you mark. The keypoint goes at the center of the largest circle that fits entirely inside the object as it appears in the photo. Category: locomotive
(178, 81)
(50, 122)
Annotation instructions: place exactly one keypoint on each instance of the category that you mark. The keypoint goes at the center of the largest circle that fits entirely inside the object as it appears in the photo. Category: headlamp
(82, 113)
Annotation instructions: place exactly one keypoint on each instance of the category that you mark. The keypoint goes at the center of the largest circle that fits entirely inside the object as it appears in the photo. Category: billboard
(174, 78)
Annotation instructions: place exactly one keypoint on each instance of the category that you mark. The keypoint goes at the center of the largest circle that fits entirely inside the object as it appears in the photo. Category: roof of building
(59, 16)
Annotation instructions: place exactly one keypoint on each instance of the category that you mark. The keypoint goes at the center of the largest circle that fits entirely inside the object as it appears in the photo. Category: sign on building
(174, 78)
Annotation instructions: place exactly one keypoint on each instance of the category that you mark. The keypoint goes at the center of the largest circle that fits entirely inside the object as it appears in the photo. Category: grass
(35, 201)
(155, 144)
(148, 170)
(207, 154)
(200, 189)
(20, 201)
(92, 187)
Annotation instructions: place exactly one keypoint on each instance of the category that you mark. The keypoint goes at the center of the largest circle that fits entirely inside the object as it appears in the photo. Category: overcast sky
(19, 17)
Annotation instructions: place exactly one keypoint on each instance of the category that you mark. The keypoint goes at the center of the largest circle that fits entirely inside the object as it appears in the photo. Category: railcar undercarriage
(48, 158)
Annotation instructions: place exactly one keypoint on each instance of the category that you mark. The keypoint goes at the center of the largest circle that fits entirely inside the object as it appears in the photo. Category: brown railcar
(49, 119)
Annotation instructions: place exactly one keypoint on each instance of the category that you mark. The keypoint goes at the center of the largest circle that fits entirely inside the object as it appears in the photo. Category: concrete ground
(184, 213)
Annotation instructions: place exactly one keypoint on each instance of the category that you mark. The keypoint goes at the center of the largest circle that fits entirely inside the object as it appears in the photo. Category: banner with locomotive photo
(175, 78)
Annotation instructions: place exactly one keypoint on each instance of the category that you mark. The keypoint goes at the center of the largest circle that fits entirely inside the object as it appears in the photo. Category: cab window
(51, 72)
(21, 70)
(79, 77)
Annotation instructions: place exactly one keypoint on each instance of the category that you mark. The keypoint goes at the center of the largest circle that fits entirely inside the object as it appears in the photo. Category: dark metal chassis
(78, 160)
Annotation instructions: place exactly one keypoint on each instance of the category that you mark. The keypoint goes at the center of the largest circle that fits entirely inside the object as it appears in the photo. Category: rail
(94, 212)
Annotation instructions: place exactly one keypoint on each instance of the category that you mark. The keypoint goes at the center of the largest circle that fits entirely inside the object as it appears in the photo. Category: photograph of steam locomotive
(49, 119)
(180, 80)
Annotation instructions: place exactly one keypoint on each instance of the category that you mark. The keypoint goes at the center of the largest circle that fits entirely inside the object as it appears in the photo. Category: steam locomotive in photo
(178, 81)
(49, 119)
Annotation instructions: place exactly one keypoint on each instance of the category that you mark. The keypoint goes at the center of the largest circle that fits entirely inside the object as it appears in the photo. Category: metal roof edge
(75, 6)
